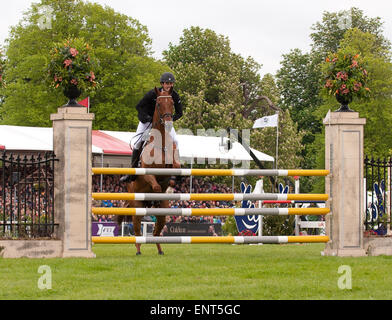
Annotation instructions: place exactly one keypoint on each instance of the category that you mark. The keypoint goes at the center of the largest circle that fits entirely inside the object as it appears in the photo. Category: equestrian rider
(146, 108)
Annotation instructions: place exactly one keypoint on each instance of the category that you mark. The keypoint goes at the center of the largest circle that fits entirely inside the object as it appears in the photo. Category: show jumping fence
(209, 211)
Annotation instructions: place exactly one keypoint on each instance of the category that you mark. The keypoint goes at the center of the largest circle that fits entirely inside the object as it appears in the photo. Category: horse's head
(164, 108)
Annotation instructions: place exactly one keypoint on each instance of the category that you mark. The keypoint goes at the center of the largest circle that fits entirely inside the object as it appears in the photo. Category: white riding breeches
(142, 134)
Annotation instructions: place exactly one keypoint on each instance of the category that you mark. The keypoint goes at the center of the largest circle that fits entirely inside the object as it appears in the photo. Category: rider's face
(167, 85)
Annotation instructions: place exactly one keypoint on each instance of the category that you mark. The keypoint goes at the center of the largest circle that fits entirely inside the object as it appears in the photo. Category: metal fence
(26, 196)
(378, 195)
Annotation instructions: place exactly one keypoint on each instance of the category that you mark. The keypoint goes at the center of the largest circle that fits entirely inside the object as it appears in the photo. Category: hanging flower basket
(345, 78)
(72, 69)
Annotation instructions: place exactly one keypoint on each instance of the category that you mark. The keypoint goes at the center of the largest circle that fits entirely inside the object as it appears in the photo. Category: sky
(264, 30)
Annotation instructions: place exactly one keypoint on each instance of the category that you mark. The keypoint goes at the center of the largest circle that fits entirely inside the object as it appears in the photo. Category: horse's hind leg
(159, 224)
(137, 222)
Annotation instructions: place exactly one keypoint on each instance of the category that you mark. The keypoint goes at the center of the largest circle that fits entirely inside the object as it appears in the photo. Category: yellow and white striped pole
(208, 196)
(209, 211)
(205, 240)
(208, 172)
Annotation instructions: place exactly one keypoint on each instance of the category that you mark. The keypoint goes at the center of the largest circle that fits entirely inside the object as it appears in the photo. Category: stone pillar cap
(72, 113)
(343, 118)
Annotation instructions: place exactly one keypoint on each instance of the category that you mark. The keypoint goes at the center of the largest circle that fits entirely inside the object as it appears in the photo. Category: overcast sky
(261, 29)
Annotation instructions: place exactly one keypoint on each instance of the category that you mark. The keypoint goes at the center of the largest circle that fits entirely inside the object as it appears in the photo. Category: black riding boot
(134, 161)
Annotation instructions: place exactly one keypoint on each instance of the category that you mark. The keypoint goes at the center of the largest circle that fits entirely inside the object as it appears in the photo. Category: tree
(377, 110)
(299, 82)
(300, 77)
(2, 81)
(120, 43)
(331, 30)
(221, 89)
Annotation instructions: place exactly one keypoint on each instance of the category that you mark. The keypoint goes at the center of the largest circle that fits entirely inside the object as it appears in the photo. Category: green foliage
(301, 80)
(331, 30)
(275, 225)
(230, 227)
(2, 69)
(376, 109)
(121, 44)
(208, 78)
(221, 89)
(72, 63)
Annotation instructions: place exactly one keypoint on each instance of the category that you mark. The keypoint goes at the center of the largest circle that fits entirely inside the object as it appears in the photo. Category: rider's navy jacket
(146, 106)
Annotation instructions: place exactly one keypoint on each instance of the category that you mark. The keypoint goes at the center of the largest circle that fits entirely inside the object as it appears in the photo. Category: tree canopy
(222, 89)
(120, 43)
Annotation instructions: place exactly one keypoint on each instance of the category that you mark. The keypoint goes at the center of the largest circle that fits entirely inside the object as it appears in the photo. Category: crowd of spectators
(108, 183)
(25, 200)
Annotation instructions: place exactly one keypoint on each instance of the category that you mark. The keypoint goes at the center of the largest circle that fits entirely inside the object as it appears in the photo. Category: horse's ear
(156, 91)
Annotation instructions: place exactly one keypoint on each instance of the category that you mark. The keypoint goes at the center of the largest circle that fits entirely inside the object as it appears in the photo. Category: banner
(268, 121)
(105, 229)
(247, 223)
(192, 229)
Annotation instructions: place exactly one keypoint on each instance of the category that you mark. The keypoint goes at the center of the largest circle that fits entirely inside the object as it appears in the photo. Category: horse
(159, 152)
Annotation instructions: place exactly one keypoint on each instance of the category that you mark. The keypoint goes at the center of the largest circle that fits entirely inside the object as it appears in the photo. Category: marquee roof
(117, 143)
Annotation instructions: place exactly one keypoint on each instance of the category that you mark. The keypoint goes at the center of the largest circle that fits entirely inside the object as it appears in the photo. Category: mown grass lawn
(199, 272)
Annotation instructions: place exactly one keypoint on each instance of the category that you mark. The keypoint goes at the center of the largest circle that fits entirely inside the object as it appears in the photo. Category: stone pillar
(72, 144)
(344, 159)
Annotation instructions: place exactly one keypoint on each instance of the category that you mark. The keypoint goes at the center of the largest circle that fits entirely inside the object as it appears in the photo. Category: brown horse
(159, 152)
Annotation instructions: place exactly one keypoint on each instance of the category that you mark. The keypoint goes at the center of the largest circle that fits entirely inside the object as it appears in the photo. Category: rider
(146, 108)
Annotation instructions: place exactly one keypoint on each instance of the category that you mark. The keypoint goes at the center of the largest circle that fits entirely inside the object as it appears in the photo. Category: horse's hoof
(157, 189)
(161, 253)
(138, 253)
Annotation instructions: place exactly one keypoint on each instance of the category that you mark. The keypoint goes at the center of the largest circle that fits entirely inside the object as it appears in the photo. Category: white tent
(203, 147)
(19, 138)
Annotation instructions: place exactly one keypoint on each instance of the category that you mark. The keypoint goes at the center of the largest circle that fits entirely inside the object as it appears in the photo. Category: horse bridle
(162, 116)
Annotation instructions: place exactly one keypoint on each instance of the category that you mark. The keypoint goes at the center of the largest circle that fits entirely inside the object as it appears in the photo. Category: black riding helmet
(167, 77)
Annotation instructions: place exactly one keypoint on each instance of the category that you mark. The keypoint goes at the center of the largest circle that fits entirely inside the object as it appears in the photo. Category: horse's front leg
(176, 158)
(152, 181)
(160, 223)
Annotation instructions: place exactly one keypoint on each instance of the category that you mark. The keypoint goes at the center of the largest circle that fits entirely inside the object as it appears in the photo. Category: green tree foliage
(376, 110)
(120, 43)
(331, 30)
(221, 89)
(300, 82)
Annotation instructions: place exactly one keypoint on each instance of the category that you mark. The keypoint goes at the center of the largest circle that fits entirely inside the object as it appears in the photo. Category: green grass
(202, 272)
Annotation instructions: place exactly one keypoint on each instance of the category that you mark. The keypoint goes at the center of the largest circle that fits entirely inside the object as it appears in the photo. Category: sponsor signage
(105, 229)
(192, 229)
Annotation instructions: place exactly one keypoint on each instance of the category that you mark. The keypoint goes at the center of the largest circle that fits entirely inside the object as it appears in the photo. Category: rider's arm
(144, 106)
(177, 106)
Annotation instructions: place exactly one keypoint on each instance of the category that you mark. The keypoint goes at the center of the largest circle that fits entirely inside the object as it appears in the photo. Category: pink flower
(328, 84)
(357, 86)
(73, 52)
(354, 64)
(342, 75)
(92, 76)
(74, 82)
(67, 63)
